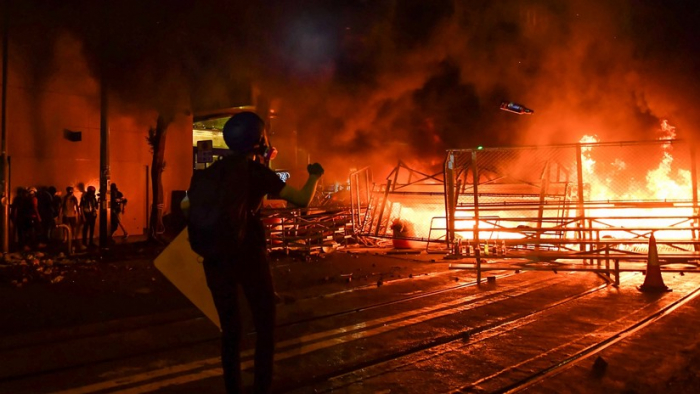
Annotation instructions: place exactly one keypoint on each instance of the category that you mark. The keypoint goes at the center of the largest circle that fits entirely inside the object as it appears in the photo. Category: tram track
(308, 343)
(298, 346)
(588, 345)
(411, 316)
(595, 349)
(408, 298)
(477, 333)
(191, 315)
(75, 336)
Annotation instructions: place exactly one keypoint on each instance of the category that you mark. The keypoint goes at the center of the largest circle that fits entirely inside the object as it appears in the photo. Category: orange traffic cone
(653, 283)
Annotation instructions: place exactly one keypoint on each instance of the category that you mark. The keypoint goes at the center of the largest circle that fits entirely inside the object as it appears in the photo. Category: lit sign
(205, 151)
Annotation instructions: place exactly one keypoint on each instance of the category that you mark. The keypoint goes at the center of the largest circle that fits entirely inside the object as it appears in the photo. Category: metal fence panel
(558, 196)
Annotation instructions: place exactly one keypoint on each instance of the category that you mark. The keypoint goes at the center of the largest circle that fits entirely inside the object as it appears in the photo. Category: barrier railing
(308, 230)
(578, 202)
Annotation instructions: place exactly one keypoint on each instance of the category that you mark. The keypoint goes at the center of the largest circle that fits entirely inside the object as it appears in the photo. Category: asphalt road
(359, 320)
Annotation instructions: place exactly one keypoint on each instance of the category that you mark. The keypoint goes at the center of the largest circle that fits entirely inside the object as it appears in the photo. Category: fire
(662, 183)
(625, 198)
(420, 219)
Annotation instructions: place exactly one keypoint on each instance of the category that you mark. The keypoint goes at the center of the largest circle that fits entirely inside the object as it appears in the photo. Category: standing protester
(56, 203)
(88, 208)
(15, 207)
(46, 213)
(117, 210)
(69, 211)
(29, 220)
(247, 179)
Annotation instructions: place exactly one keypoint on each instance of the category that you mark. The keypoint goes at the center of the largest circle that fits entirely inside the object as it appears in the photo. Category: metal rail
(307, 230)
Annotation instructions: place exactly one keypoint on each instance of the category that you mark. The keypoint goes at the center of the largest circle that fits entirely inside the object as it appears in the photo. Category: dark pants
(28, 230)
(47, 225)
(114, 219)
(89, 227)
(252, 273)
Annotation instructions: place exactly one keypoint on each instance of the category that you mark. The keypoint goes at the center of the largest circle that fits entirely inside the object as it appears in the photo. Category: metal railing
(307, 230)
(581, 201)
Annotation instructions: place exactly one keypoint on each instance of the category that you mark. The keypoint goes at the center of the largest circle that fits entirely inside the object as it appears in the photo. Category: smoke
(373, 82)
(406, 80)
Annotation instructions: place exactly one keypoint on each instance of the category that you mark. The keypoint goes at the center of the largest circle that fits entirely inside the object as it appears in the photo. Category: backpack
(45, 206)
(218, 214)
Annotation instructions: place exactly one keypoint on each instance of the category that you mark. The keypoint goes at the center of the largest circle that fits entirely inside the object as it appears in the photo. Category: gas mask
(264, 152)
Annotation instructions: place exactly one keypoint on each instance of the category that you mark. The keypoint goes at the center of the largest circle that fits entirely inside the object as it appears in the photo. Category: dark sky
(377, 81)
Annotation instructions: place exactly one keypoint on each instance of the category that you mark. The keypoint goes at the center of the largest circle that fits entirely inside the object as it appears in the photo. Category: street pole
(4, 167)
(104, 161)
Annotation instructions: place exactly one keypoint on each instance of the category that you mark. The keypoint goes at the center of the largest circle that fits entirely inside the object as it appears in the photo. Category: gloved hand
(315, 169)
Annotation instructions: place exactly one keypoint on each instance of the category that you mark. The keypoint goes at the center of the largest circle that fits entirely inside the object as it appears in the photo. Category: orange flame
(660, 184)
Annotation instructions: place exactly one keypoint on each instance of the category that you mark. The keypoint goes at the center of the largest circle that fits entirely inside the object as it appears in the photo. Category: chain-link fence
(573, 197)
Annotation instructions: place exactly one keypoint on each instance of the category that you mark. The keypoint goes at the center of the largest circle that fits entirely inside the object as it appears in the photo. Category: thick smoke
(411, 79)
(374, 82)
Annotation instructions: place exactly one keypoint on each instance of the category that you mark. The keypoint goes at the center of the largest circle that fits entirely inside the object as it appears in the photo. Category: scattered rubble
(20, 269)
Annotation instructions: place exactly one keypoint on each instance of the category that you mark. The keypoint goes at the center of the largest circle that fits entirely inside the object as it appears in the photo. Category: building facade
(53, 133)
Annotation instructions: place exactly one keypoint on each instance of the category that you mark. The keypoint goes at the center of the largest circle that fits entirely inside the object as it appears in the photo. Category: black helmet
(244, 132)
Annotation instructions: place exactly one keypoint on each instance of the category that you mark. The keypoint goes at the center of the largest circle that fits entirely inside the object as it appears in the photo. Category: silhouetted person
(46, 213)
(247, 265)
(20, 194)
(55, 209)
(88, 210)
(117, 210)
(69, 211)
(28, 220)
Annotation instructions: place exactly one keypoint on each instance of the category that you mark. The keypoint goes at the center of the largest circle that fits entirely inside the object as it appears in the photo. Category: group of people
(36, 213)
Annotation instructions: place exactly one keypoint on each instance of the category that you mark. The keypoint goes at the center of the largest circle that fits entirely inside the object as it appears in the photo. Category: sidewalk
(51, 289)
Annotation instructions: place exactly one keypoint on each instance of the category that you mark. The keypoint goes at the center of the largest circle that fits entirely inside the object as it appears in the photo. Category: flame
(663, 184)
(668, 132)
(423, 218)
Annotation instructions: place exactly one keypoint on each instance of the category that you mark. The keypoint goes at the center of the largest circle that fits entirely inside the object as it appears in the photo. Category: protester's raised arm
(302, 197)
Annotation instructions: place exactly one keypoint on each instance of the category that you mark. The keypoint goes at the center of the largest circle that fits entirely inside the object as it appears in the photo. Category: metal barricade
(577, 202)
(307, 230)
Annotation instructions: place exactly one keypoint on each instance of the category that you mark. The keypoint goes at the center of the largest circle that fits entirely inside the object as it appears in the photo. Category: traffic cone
(653, 282)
